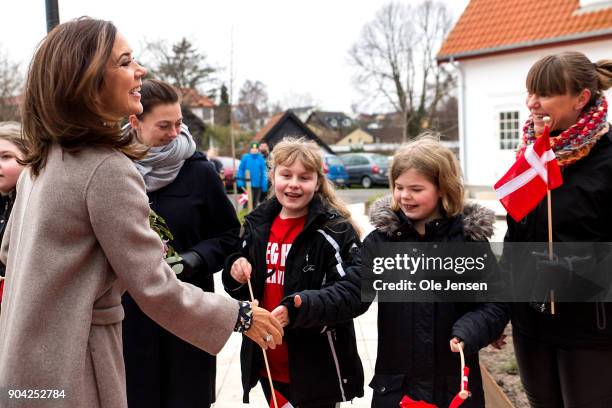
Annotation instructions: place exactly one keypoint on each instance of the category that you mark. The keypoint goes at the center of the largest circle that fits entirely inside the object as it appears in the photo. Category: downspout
(463, 156)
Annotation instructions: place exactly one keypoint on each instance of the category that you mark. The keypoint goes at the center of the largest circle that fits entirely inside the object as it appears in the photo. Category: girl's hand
(499, 343)
(281, 314)
(265, 329)
(455, 343)
(241, 270)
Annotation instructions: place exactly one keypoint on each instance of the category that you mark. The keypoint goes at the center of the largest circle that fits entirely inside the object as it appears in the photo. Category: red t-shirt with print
(282, 234)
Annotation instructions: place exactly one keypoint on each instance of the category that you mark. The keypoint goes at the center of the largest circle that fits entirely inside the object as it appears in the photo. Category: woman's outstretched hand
(265, 329)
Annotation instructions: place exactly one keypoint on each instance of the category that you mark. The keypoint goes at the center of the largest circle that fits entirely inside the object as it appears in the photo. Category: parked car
(367, 169)
(335, 170)
(228, 170)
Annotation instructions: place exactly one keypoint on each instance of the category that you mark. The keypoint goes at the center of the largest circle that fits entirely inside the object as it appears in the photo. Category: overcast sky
(293, 47)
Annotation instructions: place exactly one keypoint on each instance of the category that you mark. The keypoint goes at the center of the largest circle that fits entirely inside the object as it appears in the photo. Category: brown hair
(437, 164)
(62, 103)
(290, 149)
(154, 93)
(11, 132)
(569, 72)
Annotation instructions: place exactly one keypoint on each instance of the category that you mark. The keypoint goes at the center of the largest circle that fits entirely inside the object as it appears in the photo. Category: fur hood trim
(477, 220)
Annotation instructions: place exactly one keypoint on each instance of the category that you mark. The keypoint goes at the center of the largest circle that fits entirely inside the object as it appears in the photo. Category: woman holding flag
(564, 351)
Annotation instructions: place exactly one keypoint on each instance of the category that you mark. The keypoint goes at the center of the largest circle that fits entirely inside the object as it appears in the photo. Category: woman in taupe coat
(79, 235)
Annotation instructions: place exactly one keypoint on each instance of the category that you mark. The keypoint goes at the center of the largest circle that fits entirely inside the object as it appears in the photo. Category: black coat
(581, 212)
(202, 219)
(6, 204)
(414, 356)
(324, 366)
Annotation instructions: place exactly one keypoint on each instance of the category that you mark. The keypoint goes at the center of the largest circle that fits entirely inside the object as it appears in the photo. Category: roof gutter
(463, 161)
(526, 44)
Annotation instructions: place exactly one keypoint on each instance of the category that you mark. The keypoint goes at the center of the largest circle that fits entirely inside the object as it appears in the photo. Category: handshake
(266, 327)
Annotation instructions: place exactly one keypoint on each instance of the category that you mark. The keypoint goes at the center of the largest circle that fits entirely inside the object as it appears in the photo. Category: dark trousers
(163, 371)
(283, 388)
(557, 377)
(257, 196)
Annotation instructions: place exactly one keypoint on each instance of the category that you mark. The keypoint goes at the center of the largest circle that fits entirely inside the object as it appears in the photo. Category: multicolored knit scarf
(577, 141)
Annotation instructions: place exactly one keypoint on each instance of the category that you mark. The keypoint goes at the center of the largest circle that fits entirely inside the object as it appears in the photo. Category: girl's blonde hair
(290, 149)
(437, 164)
(11, 132)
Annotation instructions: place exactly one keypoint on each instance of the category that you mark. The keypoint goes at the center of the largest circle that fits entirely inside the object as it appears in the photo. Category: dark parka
(414, 356)
(324, 366)
(581, 212)
(201, 219)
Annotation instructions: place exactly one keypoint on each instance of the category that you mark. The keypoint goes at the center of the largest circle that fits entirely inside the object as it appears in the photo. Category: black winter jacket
(201, 219)
(414, 356)
(581, 212)
(324, 366)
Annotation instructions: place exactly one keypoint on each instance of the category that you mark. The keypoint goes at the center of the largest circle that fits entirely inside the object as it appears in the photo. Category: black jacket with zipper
(324, 366)
(414, 356)
(581, 212)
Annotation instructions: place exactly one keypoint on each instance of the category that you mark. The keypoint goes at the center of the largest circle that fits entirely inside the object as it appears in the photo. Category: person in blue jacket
(254, 162)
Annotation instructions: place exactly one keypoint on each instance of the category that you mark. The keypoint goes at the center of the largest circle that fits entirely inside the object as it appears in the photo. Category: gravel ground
(502, 366)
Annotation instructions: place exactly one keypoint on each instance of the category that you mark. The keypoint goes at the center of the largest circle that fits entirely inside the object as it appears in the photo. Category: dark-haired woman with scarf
(183, 188)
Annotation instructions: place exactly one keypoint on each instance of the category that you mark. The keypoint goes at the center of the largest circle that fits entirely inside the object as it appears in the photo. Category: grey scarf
(162, 164)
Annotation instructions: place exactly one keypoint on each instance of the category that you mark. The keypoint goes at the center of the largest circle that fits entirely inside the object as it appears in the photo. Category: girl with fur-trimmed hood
(414, 357)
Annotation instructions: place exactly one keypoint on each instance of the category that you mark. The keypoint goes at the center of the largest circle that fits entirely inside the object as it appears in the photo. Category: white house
(493, 45)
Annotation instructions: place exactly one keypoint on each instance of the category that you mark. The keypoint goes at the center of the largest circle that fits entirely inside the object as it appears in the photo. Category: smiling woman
(79, 233)
(564, 358)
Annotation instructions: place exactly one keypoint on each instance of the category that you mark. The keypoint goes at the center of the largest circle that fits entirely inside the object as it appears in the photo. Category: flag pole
(550, 236)
(264, 354)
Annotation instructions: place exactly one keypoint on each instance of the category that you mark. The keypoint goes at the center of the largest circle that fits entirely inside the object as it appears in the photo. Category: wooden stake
(550, 248)
(264, 353)
(550, 236)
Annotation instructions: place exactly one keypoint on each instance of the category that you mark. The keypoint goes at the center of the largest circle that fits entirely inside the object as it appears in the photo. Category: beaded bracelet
(245, 317)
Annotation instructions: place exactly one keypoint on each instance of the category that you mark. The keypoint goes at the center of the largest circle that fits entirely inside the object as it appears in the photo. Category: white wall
(494, 84)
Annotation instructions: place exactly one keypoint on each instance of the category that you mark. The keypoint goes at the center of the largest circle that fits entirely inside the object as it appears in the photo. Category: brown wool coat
(79, 237)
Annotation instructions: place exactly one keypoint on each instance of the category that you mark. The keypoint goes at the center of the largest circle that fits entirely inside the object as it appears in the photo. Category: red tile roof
(268, 126)
(494, 26)
(192, 98)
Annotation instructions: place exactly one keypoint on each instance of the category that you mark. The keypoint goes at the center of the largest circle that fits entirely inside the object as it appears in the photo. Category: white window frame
(508, 129)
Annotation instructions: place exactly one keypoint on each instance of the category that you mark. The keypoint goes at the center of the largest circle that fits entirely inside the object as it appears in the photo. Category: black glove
(553, 273)
(191, 261)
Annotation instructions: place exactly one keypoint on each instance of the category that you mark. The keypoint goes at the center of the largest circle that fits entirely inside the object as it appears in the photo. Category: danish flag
(282, 401)
(525, 184)
(243, 198)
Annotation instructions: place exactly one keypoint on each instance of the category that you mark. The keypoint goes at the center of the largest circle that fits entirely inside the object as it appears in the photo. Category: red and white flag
(525, 184)
(243, 198)
(282, 401)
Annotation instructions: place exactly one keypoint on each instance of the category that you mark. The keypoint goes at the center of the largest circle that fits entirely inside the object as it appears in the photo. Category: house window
(509, 130)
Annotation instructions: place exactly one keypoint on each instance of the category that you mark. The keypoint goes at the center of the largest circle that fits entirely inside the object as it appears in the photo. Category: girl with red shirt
(294, 244)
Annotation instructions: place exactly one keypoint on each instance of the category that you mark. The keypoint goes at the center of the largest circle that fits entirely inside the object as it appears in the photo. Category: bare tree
(253, 101)
(181, 65)
(10, 87)
(395, 60)
(292, 99)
